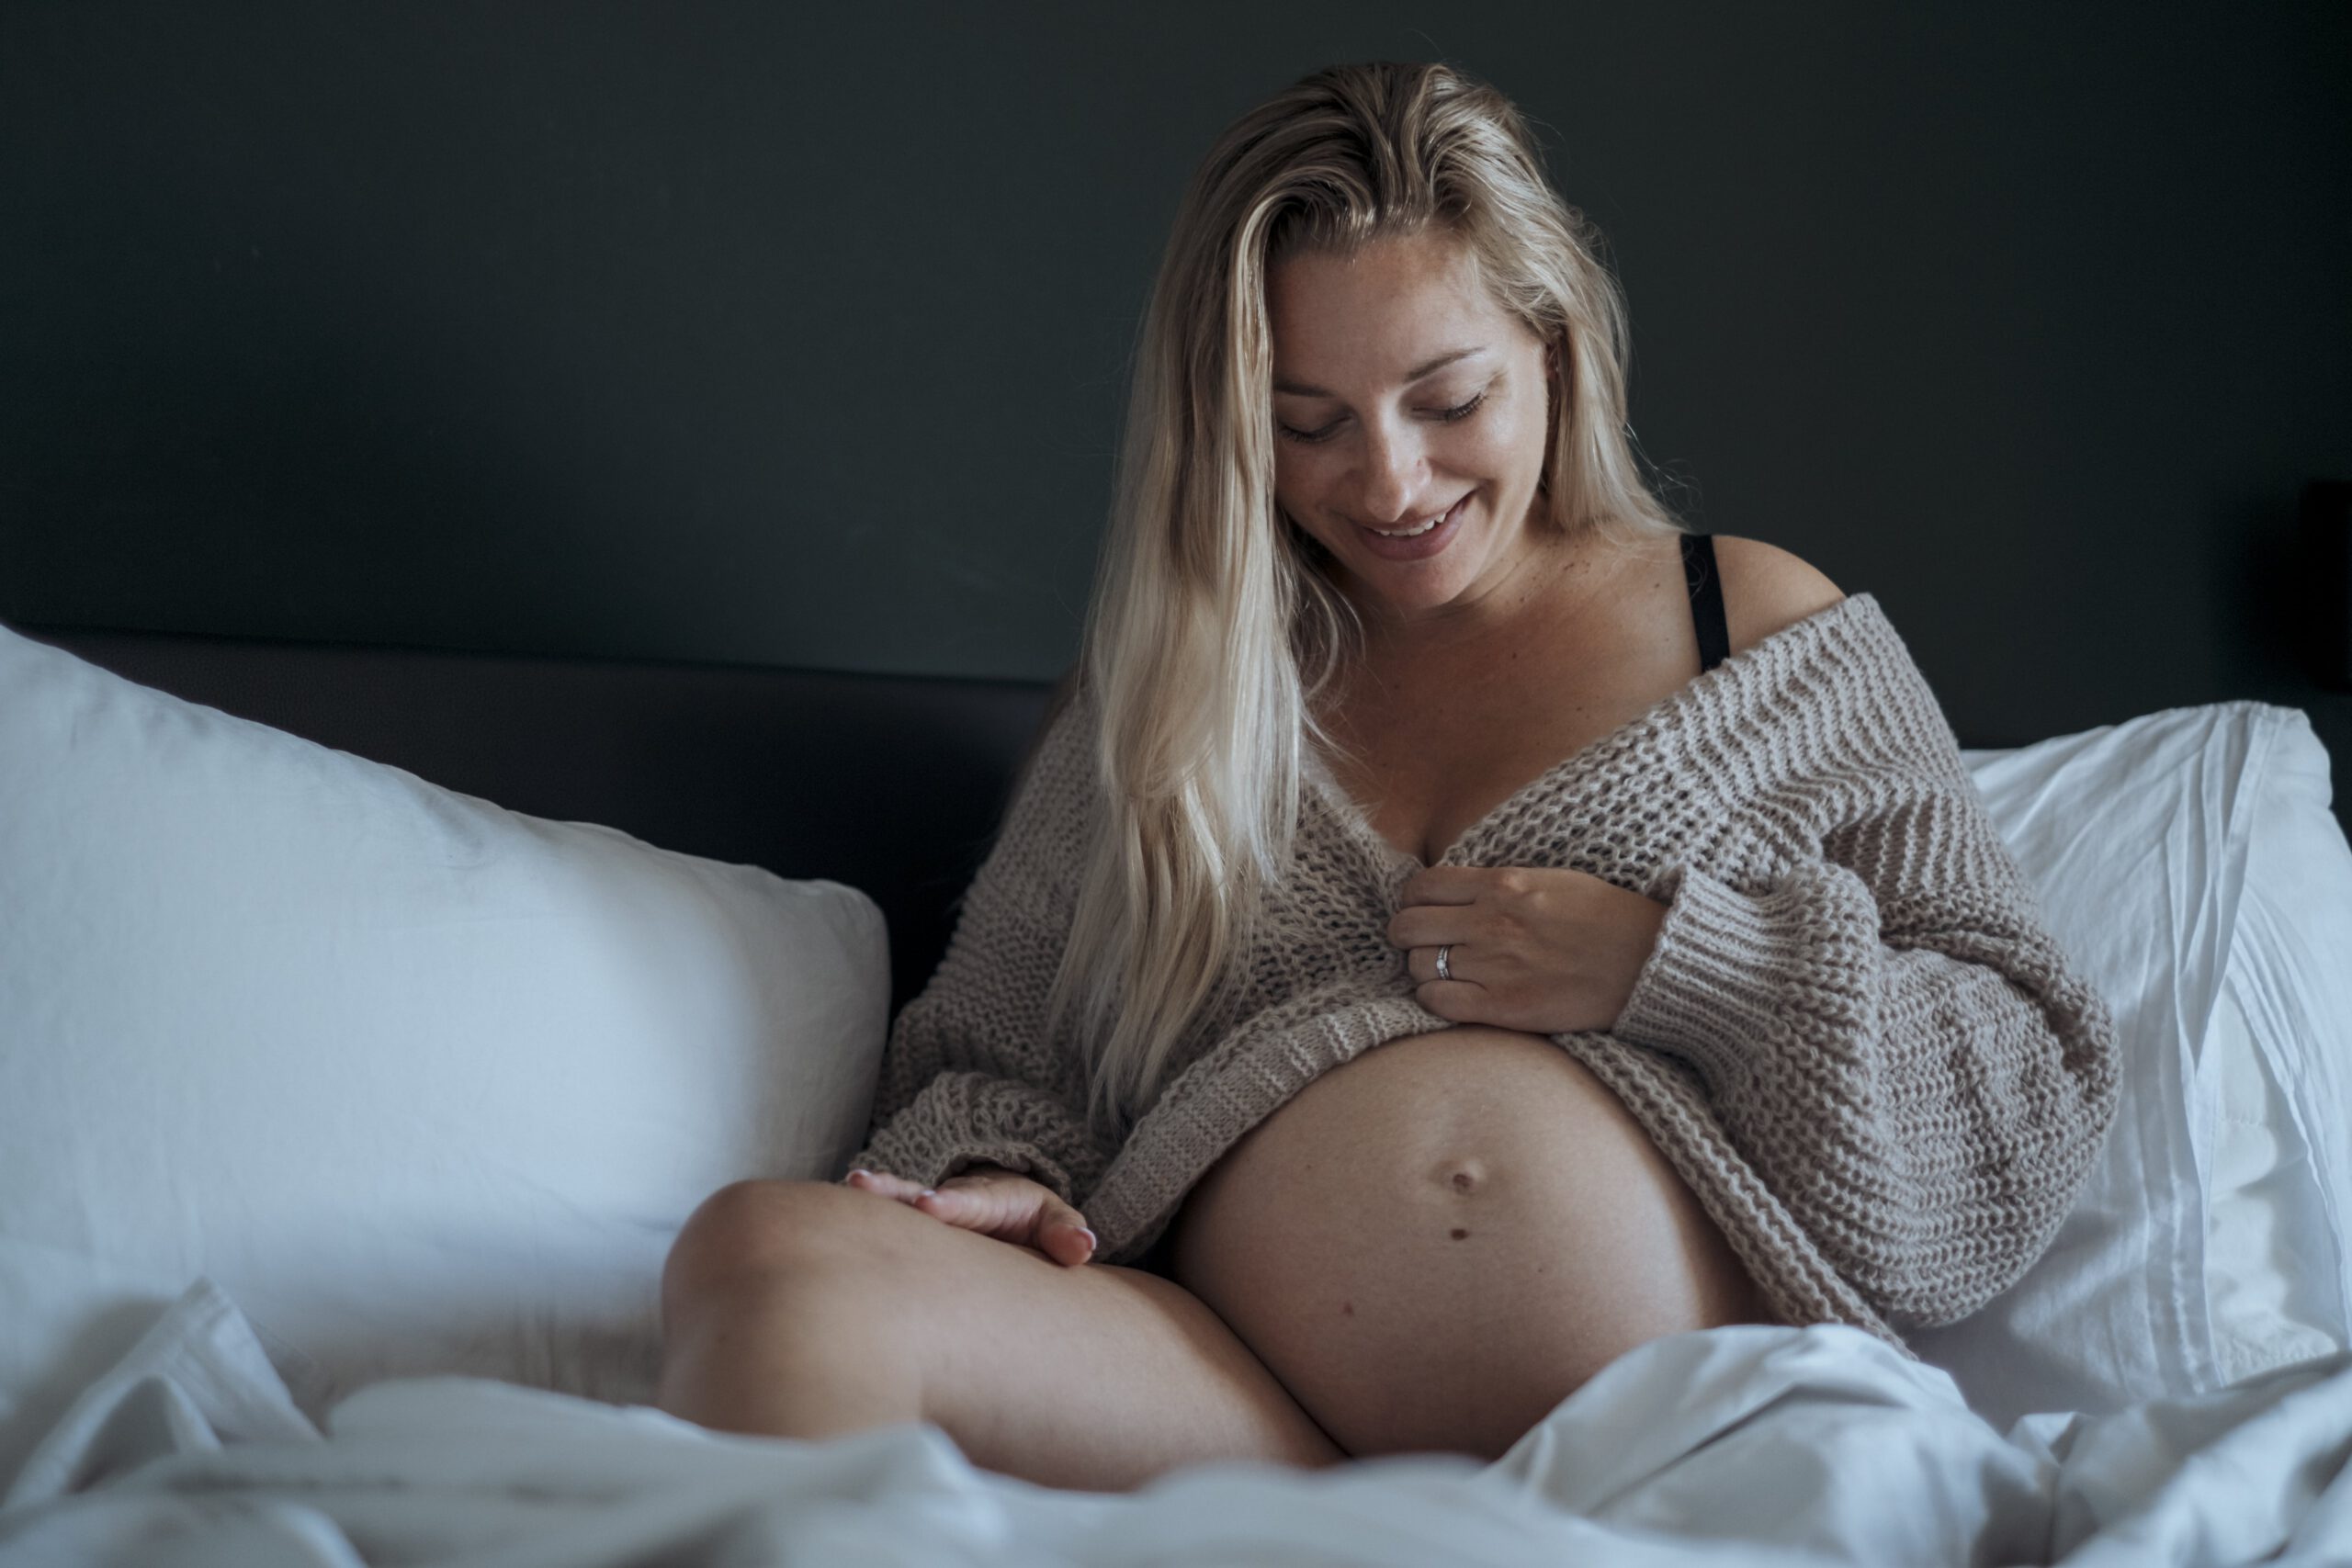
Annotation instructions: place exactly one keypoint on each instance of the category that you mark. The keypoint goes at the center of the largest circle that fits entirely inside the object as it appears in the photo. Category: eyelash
(1448, 416)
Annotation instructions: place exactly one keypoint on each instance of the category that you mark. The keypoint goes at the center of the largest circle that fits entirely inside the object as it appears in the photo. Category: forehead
(1362, 318)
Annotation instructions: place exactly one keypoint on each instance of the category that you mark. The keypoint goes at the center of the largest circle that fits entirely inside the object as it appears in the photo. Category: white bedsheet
(1742, 1445)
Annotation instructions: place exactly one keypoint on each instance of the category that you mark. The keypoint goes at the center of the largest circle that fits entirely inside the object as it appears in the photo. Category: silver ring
(1444, 970)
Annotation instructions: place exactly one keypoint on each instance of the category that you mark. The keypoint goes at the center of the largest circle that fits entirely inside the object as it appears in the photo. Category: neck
(1548, 577)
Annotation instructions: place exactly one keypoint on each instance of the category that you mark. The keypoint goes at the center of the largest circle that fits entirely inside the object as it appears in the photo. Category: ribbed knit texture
(1855, 1039)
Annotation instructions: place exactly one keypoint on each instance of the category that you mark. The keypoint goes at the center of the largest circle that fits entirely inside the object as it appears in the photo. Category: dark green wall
(739, 332)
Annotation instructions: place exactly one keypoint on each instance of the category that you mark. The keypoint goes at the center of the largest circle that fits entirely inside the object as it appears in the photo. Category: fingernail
(1088, 1235)
(929, 1192)
(861, 1170)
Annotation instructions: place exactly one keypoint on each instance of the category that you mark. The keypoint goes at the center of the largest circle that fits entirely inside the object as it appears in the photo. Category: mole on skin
(1462, 1182)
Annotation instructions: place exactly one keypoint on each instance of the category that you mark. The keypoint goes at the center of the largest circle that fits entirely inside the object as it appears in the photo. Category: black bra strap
(1706, 599)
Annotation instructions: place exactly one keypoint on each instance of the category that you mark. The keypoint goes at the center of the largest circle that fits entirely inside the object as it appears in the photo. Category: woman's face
(1405, 397)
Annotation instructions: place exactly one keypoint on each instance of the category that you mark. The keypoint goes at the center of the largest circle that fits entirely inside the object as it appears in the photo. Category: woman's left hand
(1546, 951)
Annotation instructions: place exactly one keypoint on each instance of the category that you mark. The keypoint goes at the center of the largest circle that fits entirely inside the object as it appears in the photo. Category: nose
(1395, 473)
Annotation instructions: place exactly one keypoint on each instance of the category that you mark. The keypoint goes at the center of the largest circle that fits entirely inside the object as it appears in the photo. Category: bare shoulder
(1766, 589)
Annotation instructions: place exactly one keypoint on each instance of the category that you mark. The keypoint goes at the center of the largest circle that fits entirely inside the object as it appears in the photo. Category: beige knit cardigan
(1854, 1039)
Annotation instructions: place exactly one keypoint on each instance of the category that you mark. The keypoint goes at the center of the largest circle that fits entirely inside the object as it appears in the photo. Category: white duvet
(1749, 1446)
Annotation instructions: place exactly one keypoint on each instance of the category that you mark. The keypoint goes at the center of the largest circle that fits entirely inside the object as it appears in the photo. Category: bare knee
(769, 1301)
(751, 1234)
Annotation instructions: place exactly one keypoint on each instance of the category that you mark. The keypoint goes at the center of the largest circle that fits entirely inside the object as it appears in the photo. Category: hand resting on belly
(1434, 1244)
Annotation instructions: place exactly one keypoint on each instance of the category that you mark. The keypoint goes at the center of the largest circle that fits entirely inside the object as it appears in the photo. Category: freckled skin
(1601, 1247)
(1348, 324)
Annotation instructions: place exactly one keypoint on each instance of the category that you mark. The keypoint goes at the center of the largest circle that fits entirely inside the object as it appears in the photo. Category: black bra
(1706, 599)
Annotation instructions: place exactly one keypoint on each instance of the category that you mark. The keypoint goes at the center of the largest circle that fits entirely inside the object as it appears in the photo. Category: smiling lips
(1419, 541)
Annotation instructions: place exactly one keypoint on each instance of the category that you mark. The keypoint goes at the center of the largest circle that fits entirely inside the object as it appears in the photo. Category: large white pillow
(2187, 860)
(426, 1085)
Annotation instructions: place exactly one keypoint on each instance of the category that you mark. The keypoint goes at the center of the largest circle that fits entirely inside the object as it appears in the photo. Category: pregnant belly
(1434, 1244)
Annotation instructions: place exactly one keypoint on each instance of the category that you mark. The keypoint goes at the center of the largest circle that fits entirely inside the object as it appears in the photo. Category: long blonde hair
(1214, 625)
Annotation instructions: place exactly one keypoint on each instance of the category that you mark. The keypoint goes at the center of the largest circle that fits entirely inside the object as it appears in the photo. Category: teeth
(1417, 533)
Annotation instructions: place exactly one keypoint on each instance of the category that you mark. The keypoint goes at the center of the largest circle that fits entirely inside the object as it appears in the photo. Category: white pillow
(2277, 1086)
(426, 1085)
(2271, 1260)
(2185, 858)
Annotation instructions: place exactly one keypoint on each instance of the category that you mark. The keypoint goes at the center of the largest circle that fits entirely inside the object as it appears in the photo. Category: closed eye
(1443, 416)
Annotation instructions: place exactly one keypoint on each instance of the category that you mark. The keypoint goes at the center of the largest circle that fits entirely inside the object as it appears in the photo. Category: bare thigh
(1099, 1376)
(1434, 1244)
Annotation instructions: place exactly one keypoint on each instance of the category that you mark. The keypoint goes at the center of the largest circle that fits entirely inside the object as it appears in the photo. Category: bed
(371, 1019)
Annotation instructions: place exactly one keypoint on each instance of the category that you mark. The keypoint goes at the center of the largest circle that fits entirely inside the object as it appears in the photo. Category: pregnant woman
(1455, 927)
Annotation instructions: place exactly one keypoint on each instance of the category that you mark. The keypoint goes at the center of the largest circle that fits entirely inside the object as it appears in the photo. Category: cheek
(1505, 450)
(1520, 442)
(1302, 487)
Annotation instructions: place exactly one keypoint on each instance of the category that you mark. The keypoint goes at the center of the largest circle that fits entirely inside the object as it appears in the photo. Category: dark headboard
(891, 784)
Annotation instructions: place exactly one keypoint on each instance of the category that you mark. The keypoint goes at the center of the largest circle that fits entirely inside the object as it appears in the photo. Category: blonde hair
(1214, 625)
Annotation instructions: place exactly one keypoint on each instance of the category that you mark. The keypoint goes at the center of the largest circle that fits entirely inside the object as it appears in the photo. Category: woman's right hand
(993, 1201)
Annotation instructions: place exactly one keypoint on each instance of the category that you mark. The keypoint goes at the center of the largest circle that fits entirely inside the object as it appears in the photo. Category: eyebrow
(1299, 390)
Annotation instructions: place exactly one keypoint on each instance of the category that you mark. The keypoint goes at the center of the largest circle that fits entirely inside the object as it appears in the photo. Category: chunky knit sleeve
(970, 1074)
(1886, 1031)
